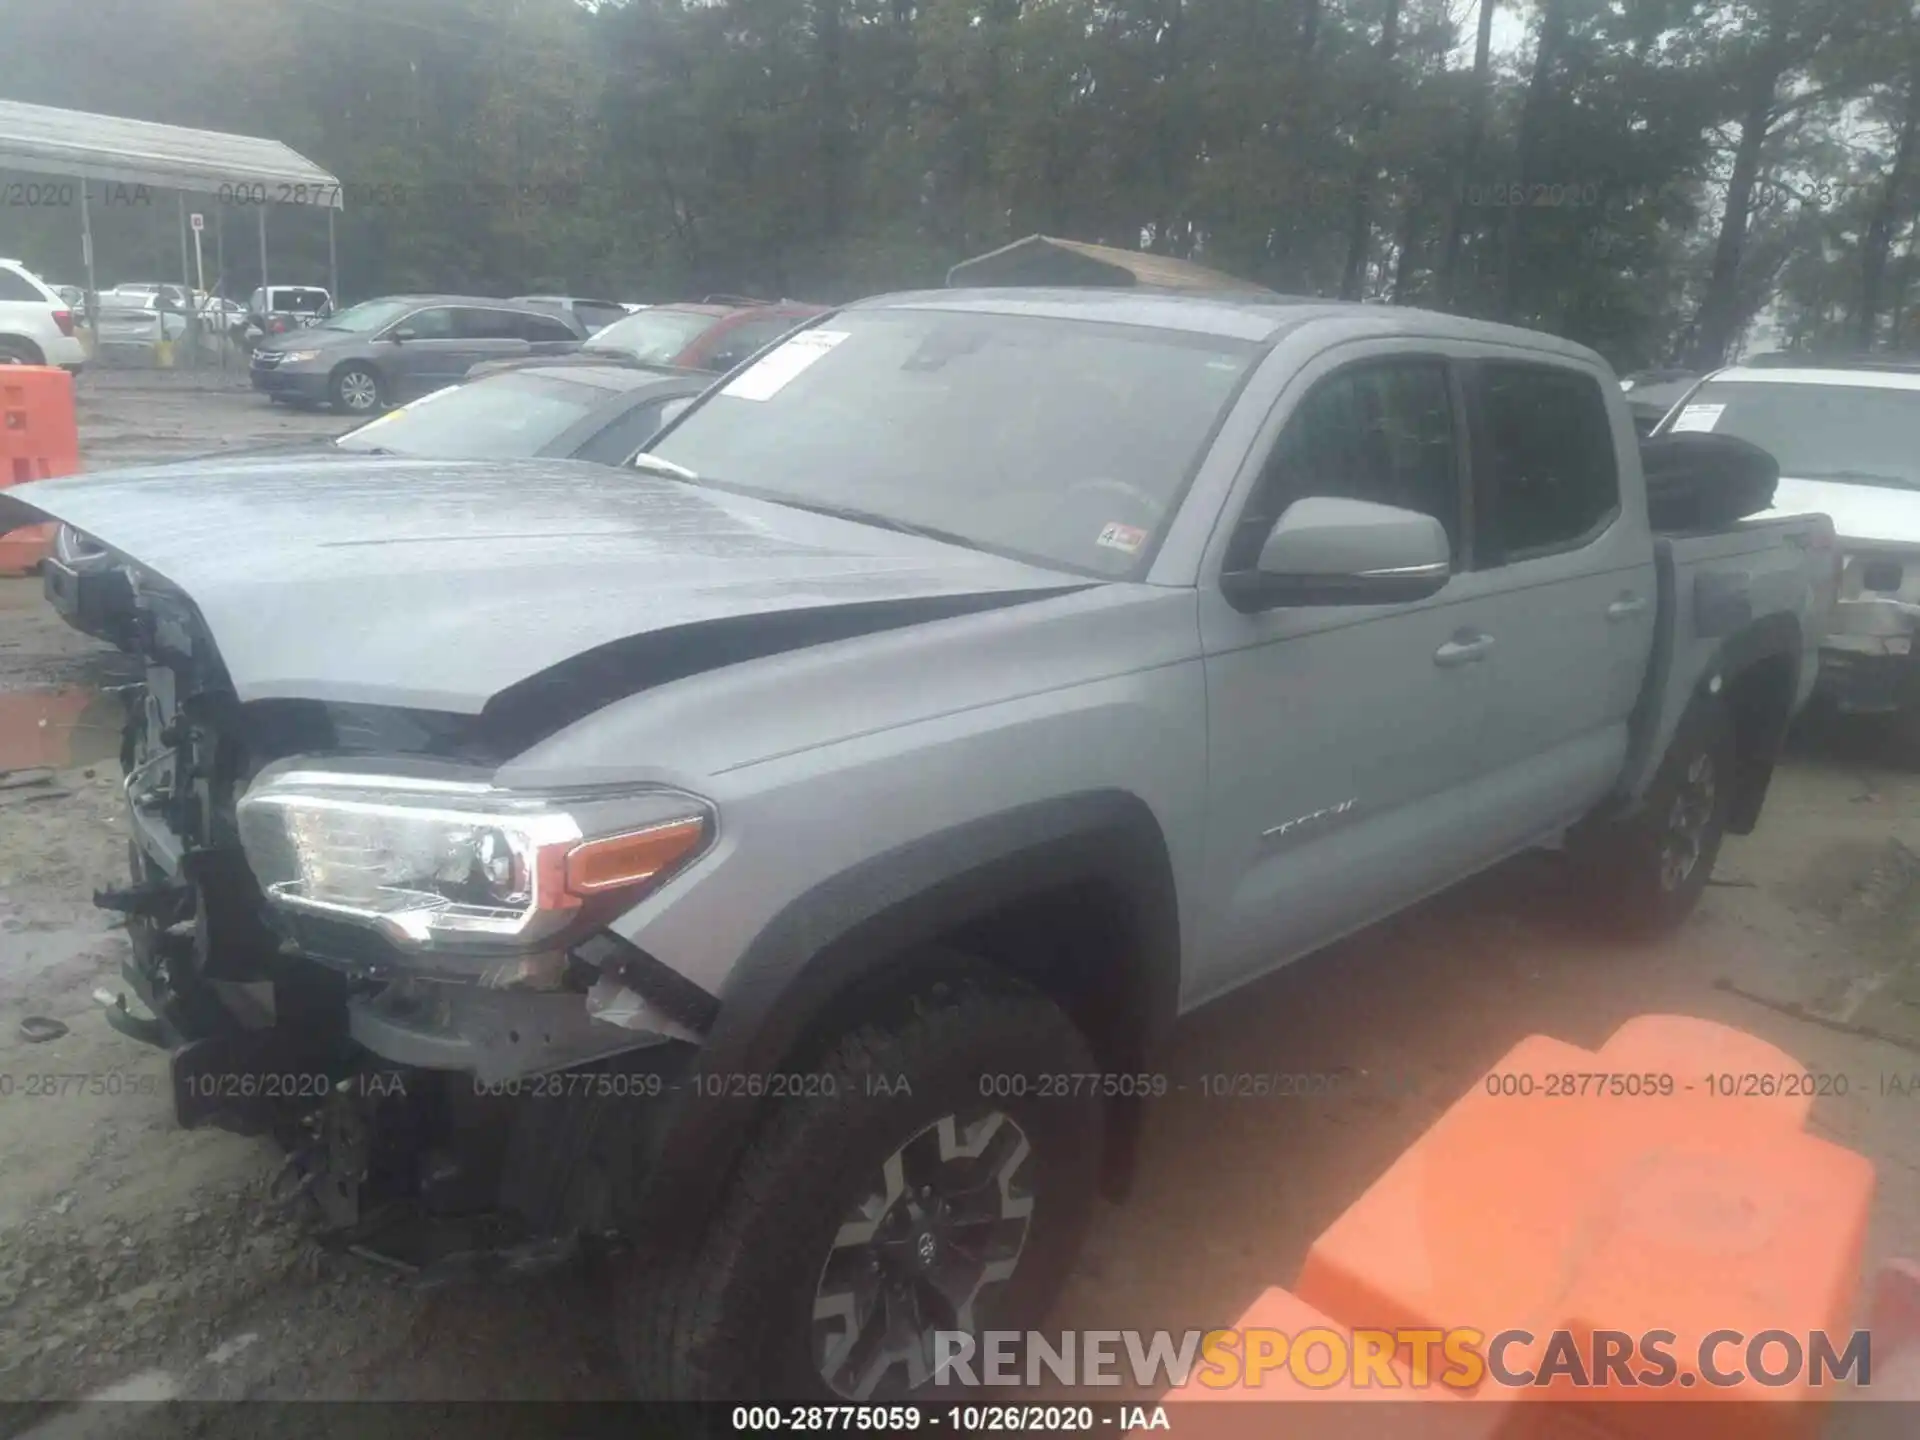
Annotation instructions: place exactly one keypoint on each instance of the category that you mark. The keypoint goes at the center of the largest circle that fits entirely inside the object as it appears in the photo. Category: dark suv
(382, 352)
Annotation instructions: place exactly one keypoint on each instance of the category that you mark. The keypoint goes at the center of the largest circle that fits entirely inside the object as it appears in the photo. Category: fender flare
(845, 933)
(1760, 737)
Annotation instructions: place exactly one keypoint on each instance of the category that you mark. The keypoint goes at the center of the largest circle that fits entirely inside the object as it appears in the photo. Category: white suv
(36, 325)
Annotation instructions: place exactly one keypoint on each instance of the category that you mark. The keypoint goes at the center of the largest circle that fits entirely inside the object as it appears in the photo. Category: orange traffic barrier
(53, 729)
(1577, 1202)
(39, 438)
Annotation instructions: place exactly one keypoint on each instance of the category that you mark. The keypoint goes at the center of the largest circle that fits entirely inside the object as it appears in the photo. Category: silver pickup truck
(771, 871)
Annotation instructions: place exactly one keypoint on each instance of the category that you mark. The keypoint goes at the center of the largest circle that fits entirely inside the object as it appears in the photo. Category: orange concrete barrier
(38, 727)
(1664, 1183)
(39, 438)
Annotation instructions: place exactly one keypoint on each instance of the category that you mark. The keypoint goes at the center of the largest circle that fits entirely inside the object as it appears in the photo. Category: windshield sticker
(1696, 417)
(1125, 538)
(772, 373)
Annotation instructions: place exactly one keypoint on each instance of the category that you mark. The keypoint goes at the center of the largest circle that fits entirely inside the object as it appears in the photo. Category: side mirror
(1328, 551)
(405, 332)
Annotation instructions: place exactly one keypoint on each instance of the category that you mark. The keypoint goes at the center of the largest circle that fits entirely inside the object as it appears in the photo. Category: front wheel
(357, 390)
(942, 1186)
(1646, 874)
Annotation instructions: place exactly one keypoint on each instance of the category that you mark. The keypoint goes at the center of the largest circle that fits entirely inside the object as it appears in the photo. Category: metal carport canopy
(47, 141)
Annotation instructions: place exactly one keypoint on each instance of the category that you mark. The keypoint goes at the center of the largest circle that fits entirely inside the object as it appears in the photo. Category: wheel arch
(26, 343)
(1073, 896)
(372, 367)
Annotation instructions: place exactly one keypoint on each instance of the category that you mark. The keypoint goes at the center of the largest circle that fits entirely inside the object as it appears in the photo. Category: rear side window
(625, 434)
(1380, 431)
(1548, 477)
(595, 313)
(544, 327)
(17, 287)
(748, 338)
(476, 324)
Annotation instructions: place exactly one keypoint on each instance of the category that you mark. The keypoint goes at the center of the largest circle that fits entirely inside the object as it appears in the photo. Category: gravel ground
(138, 1256)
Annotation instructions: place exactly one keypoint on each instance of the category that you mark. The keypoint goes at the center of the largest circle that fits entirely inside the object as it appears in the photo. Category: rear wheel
(939, 1182)
(356, 390)
(1645, 875)
(15, 351)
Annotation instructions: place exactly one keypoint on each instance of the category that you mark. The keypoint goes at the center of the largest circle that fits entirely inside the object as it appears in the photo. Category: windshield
(367, 316)
(655, 336)
(1860, 434)
(501, 417)
(1063, 441)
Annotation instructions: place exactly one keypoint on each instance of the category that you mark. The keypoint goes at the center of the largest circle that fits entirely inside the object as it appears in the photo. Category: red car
(714, 334)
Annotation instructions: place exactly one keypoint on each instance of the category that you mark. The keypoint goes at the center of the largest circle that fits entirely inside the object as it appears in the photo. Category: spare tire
(1697, 480)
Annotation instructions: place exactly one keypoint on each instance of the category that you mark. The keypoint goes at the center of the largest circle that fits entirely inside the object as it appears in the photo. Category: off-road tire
(732, 1320)
(1619, 867)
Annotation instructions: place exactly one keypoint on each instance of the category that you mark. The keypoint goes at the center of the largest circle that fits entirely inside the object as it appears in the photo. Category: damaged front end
(347, 937)
(1867, 661)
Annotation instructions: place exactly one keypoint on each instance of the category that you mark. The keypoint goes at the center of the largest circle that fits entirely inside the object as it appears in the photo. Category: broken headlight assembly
(436, 864)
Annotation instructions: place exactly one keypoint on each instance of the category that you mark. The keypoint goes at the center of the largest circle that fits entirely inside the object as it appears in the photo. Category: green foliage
(650, 149)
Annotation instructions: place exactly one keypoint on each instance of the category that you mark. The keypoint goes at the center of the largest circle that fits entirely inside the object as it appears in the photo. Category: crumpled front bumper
(1867, 664)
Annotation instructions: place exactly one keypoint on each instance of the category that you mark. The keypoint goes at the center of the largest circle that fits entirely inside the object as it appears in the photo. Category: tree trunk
(1404, 244)
(1719, 306)
(1365, 171)
(1469, 153)
(1167, 133)
(833, 122)
(1533, 115)
(1878, 241)
(1903, 287)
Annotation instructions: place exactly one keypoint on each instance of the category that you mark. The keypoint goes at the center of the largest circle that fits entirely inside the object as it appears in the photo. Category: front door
(1342, 739)
(429, 356)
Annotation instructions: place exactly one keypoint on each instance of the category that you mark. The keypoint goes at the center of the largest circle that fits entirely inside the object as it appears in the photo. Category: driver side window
(1381, 431)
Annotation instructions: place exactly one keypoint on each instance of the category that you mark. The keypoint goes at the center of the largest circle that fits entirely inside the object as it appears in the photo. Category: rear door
(1342, 739)
(547, 334)
(487, 335)
(1566, 564)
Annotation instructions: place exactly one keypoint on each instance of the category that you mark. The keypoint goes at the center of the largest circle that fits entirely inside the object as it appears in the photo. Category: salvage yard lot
(128, 1248)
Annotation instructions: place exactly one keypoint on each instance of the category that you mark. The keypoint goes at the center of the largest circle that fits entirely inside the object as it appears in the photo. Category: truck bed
(1712, 585)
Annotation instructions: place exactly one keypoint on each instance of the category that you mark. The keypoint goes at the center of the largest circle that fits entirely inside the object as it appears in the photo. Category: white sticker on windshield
(773, 372)
(1696, 417)
(1125, 538)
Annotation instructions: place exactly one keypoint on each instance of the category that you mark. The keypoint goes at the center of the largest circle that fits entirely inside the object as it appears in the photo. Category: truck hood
(1864, 514)
(436, 585)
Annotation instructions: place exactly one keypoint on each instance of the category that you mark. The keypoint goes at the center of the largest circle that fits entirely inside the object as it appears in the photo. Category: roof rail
(733, 300)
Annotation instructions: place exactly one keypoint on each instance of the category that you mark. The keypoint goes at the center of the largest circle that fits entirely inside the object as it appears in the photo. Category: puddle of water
(58, 729)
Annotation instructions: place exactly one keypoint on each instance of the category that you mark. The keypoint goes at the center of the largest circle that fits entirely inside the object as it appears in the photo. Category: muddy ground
(144, 1261)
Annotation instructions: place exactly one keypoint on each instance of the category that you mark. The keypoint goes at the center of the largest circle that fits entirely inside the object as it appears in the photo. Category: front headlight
(446, 863)
(294, 357)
